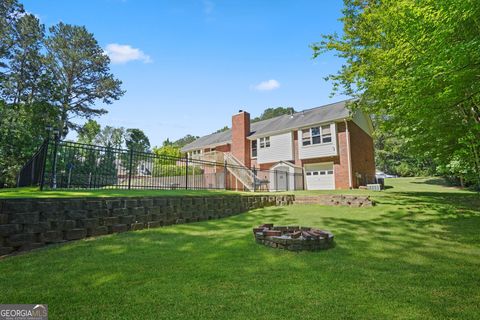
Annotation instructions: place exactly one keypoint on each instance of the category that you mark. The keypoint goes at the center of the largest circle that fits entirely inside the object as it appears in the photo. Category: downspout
(349, 156)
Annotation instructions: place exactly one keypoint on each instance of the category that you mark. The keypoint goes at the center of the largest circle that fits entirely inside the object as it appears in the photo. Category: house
(329, 147)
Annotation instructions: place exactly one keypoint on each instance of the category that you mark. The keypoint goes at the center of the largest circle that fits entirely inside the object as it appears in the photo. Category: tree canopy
(415, 65)
(273, 112)
(46, 78)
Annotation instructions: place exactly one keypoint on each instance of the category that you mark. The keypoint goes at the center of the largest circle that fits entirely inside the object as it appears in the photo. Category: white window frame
(264, 142)
(308, 135)
(256, 148)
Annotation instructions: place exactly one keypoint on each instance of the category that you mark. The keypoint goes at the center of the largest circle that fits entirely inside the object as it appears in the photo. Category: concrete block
(3, 218)
(6, 250)
(75, 234)
(89, 223)
(26, 218)
(153, 224)
(76, 214)
(120, 211)
(52, 236)
(118, 228)
(20, 239)
(36, 228)
(127, 219)
(137, 226)
(8, 229)
(110, 221)
(99, 231)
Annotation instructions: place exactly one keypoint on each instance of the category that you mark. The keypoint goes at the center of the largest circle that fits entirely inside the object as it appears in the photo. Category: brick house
(329, 146)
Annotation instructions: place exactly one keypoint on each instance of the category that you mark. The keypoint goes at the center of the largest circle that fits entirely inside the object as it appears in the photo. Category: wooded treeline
(47, 77)
(415, 65)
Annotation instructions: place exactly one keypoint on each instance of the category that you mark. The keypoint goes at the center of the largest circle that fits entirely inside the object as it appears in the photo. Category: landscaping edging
(293, 238)
(26, 224)
(336, 200)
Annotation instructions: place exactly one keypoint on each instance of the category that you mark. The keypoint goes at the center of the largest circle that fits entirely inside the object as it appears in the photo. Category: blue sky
(187, 66)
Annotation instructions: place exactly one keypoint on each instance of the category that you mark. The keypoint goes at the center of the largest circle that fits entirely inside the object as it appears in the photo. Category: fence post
(54, 164)
(276, 180)
(254, 179)
(44, 162)
(130, 165)
(225, 174)
(186, 172)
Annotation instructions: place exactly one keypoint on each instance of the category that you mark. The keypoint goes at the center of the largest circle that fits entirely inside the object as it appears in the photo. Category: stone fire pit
(293, 238)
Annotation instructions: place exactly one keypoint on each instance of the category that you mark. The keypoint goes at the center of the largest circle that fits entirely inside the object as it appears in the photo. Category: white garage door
(319, 176)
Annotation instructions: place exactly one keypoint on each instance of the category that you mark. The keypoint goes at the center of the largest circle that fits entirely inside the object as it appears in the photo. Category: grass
(416, 255)
(22, 193)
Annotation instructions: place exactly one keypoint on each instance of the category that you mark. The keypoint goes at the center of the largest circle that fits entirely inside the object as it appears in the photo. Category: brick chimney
(240, 131)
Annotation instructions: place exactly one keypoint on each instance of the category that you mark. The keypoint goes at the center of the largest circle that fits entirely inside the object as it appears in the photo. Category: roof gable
(326, 113)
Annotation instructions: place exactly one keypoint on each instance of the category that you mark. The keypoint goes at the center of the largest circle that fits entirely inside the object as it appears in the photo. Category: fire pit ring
(293, 238)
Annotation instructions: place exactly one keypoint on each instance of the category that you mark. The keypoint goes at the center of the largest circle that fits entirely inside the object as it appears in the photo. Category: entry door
(281, 178)
(319, 176)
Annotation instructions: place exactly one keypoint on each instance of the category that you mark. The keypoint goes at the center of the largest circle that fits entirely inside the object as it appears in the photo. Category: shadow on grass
(415, 251)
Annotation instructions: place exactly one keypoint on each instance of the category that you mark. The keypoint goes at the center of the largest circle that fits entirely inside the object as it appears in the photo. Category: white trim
(349, 156)
(313, 124)
(318, 163)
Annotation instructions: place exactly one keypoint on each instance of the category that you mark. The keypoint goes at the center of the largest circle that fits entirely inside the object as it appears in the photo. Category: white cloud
(267, 85)
(123, 53)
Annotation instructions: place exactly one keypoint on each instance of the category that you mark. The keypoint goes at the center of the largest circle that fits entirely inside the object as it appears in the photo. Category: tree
(10, 11)
(222, 129)
(89, 132)
(25, 78)
(417, 64)
(136, 140)
(166, 152)
(111, 136)
(22, 131)
(185, 140)
(273, 112)
(80, 73)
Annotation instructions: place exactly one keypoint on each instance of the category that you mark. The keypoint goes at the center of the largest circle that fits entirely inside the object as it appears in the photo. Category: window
(326, 134)
(196, 152)
(265, 142)
(317, 135)
(306, 137)
(254, 148)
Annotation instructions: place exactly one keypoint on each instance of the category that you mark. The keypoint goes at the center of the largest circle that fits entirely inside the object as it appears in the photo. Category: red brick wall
(361, 145)
(296, 157)
(363, 158)
(341, 167)
(223, 148)
(240, 131)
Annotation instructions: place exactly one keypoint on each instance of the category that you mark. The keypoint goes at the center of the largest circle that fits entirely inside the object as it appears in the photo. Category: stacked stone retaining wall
(31, 223)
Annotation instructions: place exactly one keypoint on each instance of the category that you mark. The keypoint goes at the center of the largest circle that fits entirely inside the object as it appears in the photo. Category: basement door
(319, 176)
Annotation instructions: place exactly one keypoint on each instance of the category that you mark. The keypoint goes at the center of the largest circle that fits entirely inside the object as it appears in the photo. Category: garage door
(320, 176)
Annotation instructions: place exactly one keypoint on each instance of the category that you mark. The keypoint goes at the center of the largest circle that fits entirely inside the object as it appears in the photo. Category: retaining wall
(31, 223)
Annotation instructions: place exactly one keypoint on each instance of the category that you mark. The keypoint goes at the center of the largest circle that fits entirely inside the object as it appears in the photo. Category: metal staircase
(240, 171)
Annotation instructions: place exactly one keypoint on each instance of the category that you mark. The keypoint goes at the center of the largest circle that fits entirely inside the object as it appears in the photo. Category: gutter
(349, 156)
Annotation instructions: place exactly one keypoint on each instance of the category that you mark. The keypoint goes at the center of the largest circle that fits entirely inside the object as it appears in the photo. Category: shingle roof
(329, 112)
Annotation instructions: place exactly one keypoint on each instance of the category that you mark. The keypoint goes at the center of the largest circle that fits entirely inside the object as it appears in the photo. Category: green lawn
(416, 255)
(36, 193)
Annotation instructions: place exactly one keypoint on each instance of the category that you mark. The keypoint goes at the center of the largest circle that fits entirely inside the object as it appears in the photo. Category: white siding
(281, 148)
(363, 121)
(318, 150)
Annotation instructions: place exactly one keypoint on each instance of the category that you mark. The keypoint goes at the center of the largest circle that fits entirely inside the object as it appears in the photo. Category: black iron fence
(32, 172)
(69, 165)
